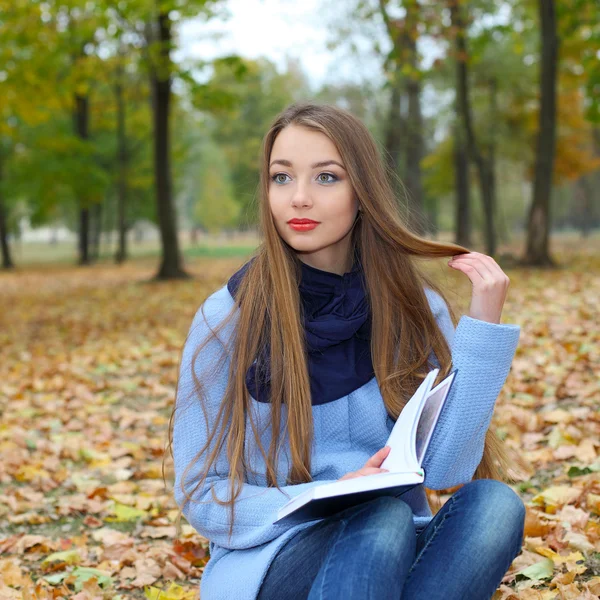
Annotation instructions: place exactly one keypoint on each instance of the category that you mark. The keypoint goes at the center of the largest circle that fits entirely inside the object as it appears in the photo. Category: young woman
(294, 372)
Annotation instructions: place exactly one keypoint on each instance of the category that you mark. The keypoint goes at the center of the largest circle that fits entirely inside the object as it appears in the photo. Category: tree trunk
(171, 265)
(84, 230)
(485, 166)
(432, 217)
(538, 226)
(585, 213)
(81, 119)
(393, 136)
(7, 262)
(489, 197)
(96, 231)
(487, 182)
(414, 125)
(461, 160)
(462, 188)
(414, 155)
(122, 162)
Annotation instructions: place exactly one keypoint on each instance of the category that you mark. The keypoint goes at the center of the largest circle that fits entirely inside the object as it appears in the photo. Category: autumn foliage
(88, 366)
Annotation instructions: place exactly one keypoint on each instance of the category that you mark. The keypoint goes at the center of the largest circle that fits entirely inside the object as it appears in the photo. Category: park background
(130, 134)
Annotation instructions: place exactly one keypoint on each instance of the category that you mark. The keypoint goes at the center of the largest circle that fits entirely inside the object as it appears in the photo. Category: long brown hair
(404, 329)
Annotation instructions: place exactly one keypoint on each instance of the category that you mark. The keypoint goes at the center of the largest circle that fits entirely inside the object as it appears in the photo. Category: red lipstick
(302, 224)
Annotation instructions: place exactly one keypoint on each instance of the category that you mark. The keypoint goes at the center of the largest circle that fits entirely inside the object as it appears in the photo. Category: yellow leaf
(30, 473)
(68, 557)
(555, 496)
(175, 592)
(558, 558)
(593, 502)
(125, 513)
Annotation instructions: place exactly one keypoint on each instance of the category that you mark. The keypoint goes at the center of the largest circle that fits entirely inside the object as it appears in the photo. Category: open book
(408, 443)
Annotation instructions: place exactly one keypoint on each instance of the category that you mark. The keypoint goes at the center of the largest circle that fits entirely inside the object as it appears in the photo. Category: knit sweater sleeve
(256, 506)
(482, 352)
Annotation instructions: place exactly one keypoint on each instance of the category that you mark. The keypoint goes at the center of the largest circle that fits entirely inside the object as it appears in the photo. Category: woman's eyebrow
(317, 165)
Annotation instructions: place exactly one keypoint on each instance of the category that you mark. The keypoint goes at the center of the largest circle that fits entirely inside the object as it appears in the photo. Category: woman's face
(307, 180)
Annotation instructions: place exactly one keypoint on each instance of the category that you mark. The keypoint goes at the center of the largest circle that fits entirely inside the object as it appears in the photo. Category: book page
(326, 499)
(401, 456)
(431, 411)
(369, 482)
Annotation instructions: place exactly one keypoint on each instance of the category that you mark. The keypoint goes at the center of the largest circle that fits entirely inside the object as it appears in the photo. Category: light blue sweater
(347, 432)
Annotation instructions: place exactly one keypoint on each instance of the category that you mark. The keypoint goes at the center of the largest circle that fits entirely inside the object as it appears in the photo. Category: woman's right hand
(372, 466)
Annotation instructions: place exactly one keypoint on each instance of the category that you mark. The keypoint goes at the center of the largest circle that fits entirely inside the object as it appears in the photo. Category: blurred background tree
(489, 112)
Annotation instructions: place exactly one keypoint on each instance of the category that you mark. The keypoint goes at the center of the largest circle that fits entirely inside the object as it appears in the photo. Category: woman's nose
(301, 197)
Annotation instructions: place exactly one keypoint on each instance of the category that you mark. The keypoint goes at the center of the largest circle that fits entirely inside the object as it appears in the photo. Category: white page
(368, 482)
(350, 486)
(401, 456)
(432, 408)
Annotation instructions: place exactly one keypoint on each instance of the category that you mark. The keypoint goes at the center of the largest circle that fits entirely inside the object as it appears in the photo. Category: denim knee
(390, 522)
(386, 506)
(497, 511)
(498, 494)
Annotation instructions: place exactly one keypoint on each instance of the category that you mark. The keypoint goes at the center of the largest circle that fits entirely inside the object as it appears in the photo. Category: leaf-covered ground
(88, 366)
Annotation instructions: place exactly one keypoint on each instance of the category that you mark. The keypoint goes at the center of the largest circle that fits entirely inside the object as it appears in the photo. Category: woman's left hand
(490, 284)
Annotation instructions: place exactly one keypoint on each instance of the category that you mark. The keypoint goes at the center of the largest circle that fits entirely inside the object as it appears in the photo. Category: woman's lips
(302, 226)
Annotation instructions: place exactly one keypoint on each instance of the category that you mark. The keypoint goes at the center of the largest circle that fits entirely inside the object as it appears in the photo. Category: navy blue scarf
(337, 322)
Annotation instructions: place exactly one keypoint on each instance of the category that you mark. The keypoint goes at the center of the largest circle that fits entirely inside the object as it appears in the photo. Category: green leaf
(540, 570)
(576, 471)
(84, 573)
(69, 557)
(56, 578)
(124, 513)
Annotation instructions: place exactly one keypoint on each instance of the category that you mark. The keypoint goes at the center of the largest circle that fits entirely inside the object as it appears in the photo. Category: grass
(65, 253)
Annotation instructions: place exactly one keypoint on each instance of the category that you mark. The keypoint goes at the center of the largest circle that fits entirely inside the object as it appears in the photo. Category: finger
(493, 266)
(490, 272)
(371, 470)
(378, 457)
(486, 257)
(375, 460)
(481, 268)
(483, 259)
(468, 269)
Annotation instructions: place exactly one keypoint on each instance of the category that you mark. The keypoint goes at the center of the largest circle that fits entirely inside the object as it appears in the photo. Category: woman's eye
(321, 178)
(327, 180)
(274, 178)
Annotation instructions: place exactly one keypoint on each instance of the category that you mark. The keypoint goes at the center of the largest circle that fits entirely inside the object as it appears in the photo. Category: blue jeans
(372, 550)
